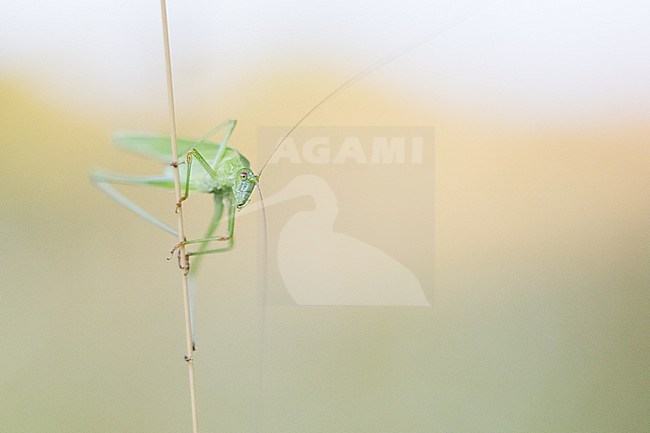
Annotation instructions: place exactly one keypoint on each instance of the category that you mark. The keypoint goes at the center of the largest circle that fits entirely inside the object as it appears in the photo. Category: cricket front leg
(222, 238)
(229, 125)
(189, 157)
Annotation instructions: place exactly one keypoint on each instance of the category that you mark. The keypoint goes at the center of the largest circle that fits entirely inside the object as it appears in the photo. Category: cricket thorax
(233, 176)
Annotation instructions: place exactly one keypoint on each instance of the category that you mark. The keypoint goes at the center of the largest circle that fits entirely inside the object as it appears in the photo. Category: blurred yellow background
(531, 241)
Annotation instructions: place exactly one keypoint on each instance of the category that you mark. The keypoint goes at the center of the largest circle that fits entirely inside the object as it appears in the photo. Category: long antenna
(262, 302)
(184, 259)
(370, 69)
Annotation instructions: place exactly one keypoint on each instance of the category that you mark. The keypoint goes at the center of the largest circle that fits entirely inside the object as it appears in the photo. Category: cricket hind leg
(230, 125)
(104, 181)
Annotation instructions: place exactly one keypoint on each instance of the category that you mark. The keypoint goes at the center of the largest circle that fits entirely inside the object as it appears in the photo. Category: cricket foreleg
(189, 156)
(229, 237)
(209, 238)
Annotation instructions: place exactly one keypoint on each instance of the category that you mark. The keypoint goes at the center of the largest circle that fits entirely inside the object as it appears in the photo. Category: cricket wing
(159, 147)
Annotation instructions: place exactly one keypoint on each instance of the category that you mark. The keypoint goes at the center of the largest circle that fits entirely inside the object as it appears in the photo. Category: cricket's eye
(243, 175)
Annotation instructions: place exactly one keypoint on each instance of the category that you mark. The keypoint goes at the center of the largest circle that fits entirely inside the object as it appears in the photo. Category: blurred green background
(531, 244)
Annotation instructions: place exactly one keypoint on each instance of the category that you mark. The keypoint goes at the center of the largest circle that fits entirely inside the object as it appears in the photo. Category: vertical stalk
(184, 259)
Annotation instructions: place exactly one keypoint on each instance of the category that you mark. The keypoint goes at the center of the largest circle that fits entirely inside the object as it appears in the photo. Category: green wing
(159, 147)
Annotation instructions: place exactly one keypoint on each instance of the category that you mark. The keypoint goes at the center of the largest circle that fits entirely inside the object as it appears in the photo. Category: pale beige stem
(184, 260)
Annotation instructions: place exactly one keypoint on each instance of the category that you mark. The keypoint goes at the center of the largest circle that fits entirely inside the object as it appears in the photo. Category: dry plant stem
(184, 260)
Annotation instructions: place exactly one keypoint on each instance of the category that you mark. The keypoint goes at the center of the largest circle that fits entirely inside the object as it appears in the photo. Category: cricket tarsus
(185, 268)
